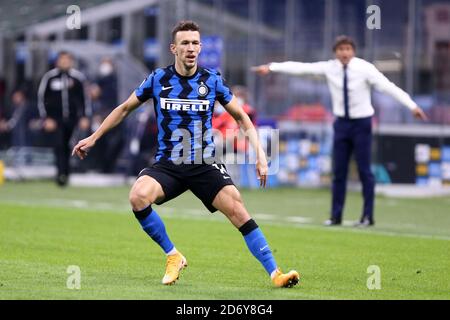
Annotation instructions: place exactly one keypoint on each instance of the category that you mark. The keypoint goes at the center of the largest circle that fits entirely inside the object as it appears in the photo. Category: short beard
(189, 67)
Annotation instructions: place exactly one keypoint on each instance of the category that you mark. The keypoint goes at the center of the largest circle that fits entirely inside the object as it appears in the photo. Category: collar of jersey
(185, 77)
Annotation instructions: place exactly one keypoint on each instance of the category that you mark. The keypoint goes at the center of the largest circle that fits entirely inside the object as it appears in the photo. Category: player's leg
(342, 150)
(230, 203)
(66, 153)
(363, 147)
(151, 187)
(214, 187)
(61, 157)
(146, 191)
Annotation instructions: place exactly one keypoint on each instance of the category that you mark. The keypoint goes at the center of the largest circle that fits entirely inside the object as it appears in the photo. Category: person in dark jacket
(62, 106)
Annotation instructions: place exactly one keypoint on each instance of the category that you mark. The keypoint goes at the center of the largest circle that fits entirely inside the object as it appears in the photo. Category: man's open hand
(261, 170)
(82, 147)
(261, 70)
(419, 114)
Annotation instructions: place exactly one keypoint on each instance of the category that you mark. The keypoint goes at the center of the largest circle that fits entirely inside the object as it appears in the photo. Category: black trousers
(62, 149)
(352, 136)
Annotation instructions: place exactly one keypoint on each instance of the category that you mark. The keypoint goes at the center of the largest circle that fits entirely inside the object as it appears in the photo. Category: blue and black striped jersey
(184, 108)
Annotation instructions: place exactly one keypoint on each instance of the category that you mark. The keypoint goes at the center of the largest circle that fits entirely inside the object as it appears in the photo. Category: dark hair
(185, 25)
(340, 40)
(64, 53)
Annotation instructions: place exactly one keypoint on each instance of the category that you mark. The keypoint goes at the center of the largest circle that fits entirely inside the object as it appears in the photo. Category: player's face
(64, 62)
(186, 48)
(344, 53)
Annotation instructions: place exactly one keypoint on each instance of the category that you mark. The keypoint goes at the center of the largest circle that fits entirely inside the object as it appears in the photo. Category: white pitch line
(372, 231)
(298, 219)
(348, 223)
(203, 214)
(265, 216)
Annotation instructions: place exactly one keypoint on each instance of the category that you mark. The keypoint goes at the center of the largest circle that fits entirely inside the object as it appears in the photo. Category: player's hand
(261, 70)
(84, 124)
(50, 125)
(261, 170)
(4, 126)
(419, 114)
(82, 147)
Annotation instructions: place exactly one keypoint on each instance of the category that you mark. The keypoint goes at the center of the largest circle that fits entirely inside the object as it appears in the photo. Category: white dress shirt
(361, 76)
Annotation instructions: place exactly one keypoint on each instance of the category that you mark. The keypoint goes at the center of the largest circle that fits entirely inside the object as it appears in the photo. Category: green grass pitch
(43, 230)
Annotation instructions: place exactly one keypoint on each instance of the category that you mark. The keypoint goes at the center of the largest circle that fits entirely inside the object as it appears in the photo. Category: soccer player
(183, 96)
(350, 80)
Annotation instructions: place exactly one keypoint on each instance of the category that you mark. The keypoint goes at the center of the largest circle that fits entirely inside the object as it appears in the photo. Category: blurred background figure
(241, 94)
(141, 142)
(232, 143)
(107, 82)
(62, 107)
(227, 130)
(16, 127)
(3, 116)
(350, 80)
(104, 97)
(246, 173)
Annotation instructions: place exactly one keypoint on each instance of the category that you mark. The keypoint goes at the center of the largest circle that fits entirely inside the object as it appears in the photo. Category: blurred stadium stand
(412, 49)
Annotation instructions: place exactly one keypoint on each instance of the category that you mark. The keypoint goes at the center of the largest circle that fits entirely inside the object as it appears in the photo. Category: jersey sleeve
(383, 84)
(145, 89)
(300, 68)
(223, 92)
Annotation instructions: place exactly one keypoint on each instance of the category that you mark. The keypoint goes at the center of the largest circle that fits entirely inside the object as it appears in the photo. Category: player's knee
(139, 199)
(237, 205)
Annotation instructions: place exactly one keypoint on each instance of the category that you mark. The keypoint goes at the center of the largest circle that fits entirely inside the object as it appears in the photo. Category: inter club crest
(202, 90)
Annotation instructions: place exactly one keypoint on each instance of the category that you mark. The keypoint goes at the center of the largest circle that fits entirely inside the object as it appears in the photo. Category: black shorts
(204, 180)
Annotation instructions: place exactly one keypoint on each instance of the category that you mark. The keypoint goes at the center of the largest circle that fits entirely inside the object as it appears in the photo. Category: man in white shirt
(350, 80)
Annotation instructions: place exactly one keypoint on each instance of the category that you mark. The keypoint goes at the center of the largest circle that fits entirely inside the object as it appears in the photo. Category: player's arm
(381, 83)
(113, 119)
(48, 124)
(247, 126)
(84, 102)
(292, 68)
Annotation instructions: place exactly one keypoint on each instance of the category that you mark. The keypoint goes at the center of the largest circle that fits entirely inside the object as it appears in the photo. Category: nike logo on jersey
(166, 88)
(261, 249)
